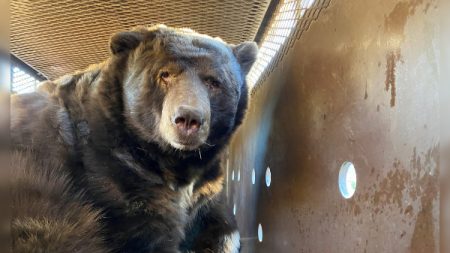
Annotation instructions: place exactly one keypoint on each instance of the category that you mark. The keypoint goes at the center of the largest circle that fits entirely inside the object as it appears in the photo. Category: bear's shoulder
(46, 117)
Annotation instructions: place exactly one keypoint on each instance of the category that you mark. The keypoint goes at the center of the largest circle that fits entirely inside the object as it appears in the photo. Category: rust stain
(420, 182)
(427, 7)
(396, 21)
(366, 94)
(402, 234)
(356, 210)
(394, 25)
(423, 239)
(391, 187)
(392, 59)
(409, 210)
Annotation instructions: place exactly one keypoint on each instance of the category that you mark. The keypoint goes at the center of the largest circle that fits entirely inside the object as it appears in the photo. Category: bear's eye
(164, 74)
(211, 81)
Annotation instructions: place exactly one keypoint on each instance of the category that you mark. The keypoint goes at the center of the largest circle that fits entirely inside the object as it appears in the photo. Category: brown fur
(47, 216)
(98, 161)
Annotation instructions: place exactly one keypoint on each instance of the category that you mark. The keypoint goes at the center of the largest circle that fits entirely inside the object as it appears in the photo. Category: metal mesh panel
(22, 82)
(290, 20)
(58, 37)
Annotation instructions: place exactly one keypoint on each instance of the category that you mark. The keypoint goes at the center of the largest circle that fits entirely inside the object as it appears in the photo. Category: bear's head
(182, 90)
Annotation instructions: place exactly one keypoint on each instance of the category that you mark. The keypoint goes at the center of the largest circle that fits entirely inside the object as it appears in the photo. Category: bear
(125, 156)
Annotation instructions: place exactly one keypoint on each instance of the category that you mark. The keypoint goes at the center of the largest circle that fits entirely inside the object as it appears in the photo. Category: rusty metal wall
(445, 126)
(363, 85)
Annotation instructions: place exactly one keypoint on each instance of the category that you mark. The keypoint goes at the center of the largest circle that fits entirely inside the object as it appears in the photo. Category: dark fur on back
(98, 161)
(49, 215)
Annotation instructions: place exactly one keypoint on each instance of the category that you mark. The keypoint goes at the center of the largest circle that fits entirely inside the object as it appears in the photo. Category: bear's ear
(246, 54)
(125, 41)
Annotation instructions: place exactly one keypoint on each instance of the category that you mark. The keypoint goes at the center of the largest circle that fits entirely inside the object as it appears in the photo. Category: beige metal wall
(364, 84)
(445, 125)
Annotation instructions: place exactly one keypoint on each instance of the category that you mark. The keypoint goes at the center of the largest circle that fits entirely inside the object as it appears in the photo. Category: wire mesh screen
(22, 81)
(290, 20)
(59, 37)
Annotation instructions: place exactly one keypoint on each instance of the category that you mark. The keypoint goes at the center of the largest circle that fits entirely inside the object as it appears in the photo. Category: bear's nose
(188, 119)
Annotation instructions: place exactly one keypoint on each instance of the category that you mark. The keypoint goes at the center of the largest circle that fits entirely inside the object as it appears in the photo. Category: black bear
(125, 156)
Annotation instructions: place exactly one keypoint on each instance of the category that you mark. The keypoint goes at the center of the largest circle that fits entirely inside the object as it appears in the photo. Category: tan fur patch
(210, 189)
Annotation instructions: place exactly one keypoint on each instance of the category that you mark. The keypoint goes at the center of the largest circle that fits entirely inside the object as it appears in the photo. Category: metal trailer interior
(350, 81)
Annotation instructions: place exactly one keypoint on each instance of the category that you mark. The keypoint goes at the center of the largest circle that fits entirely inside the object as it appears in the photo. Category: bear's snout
(186, 115)
(187, 120)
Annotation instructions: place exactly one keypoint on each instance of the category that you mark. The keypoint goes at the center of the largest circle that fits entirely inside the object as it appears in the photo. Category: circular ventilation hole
(347, 180)
(260, 233)
(253, 176)
(268, 177)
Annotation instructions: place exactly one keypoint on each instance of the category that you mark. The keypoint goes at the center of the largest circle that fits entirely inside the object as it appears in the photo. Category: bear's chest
(186, 196)
(193, 195)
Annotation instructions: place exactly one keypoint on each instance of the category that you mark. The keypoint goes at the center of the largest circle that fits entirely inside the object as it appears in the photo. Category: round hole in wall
(347, 180)
(268, 177)
(260, 233)
(253, 176)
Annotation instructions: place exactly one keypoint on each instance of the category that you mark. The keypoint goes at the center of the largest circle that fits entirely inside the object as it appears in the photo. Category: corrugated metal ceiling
(58, 37)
